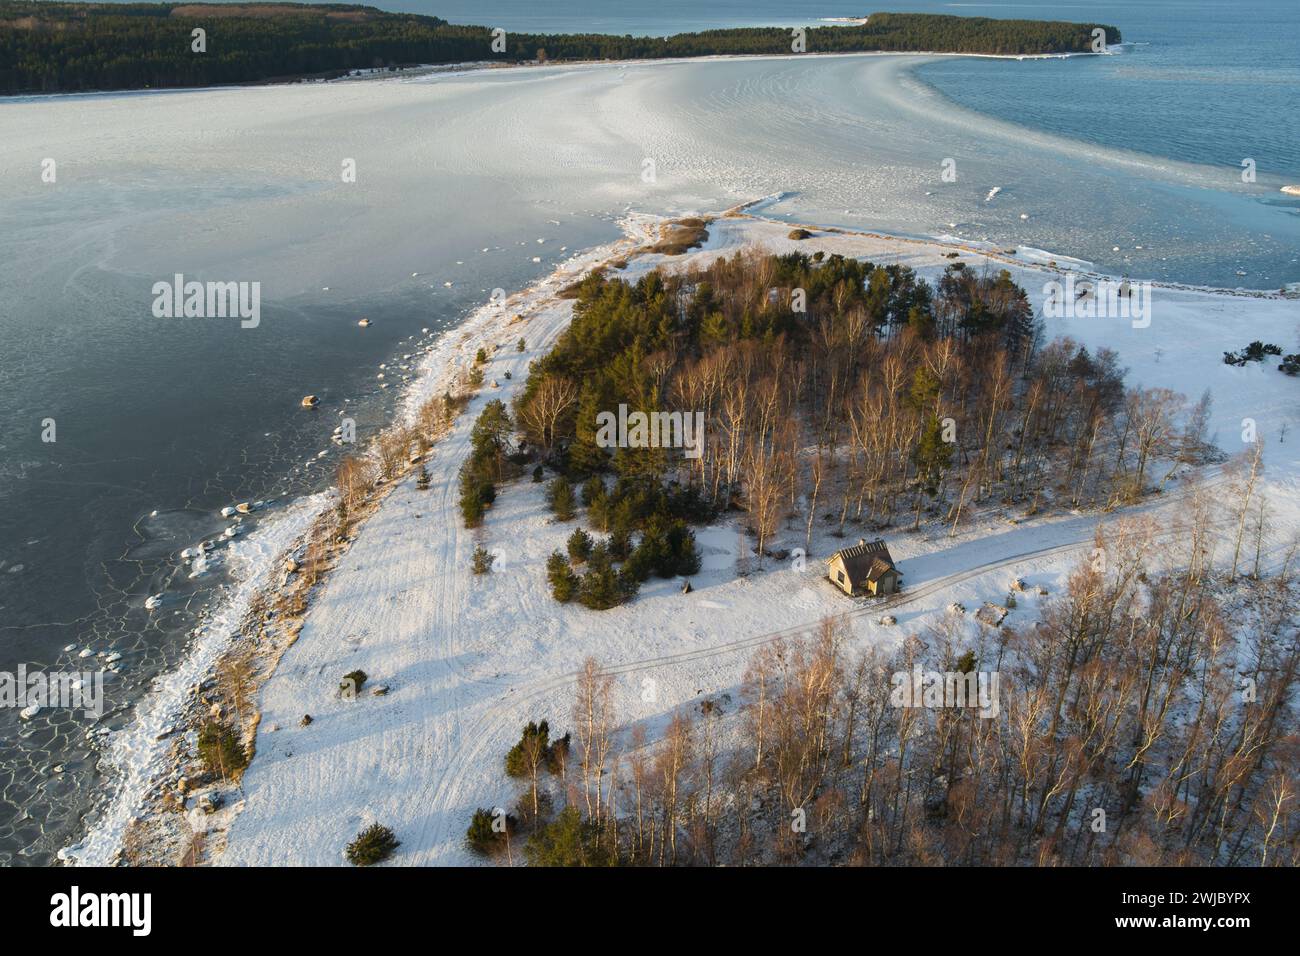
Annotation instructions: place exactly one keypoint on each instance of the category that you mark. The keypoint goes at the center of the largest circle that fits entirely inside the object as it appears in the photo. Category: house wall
(834, 571)
(888, 583)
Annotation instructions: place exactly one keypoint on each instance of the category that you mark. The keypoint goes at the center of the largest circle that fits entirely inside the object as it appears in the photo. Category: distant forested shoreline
(51, 47)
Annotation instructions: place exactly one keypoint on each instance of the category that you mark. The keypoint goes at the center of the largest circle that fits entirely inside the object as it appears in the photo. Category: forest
(1145, 719)
(852, 393)
(51, 47)
(1145, 713)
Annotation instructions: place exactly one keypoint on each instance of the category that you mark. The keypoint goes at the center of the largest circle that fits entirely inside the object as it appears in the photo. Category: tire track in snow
(499, 716)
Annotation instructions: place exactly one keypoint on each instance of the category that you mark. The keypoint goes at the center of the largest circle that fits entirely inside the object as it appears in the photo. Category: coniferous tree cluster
(220, 750)
(536, 752)
(489, 462)
(63, 47)
(838, 391)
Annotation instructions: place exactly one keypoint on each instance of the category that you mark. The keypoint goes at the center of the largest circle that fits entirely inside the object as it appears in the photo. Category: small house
(864, 569)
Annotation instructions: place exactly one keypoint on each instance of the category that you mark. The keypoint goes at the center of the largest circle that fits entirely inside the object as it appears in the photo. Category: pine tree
(374, 844)
(564, 583)
(483, 837)
(602, 586)
(568, 840)
(559, 495)
(933, 455)
(535, 735)
(585, 456)
(579, 546)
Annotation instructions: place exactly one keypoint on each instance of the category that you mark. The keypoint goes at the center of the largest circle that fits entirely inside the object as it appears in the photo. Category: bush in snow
(220, 750)
(487, 831)
(422, 482)
(534, 743)
(667, 549)
(559, 495)
(1254, 352)
(602, 586)
(593, 489)
(619, 544)
(476, 494)
(352, 683)
(564, 583)
(568, 840)
(374, 844)
(579, 546)
(483, 560)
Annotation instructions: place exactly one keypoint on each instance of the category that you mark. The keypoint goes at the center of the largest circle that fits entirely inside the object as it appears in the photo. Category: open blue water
(1210, 81)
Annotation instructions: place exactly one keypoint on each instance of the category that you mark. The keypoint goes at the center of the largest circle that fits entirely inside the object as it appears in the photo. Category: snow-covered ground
(468, 660)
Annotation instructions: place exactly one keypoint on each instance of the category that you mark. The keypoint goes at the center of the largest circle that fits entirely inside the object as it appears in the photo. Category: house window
(840, 575)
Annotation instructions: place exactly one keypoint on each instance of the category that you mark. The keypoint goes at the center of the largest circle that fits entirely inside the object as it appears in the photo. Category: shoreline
(180, 696)
(993, 251)
(469, 67)
(176, 703)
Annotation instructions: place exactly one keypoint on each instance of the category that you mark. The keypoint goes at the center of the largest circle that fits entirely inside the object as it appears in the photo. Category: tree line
(846, 393)
(67, 47)
(1144, 718)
